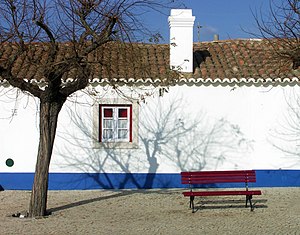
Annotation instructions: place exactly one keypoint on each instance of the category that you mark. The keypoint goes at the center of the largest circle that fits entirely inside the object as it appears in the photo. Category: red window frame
(114, 106)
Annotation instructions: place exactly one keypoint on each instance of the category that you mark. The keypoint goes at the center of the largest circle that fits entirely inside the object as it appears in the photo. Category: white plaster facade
(200, 128)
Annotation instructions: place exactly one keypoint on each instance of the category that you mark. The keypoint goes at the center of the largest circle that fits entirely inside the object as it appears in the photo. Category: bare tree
(55, 39)
(282, 22)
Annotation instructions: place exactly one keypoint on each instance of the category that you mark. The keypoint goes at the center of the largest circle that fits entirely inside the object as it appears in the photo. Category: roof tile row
(231, 59)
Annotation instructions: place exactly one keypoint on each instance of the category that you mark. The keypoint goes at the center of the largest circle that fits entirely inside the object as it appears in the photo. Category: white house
(223, 105)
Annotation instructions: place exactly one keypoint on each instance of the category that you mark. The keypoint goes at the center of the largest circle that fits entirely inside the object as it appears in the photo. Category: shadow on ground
(119, 193)
(229, 203)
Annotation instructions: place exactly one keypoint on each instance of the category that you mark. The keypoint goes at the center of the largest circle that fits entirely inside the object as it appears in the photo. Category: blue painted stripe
(81, 181)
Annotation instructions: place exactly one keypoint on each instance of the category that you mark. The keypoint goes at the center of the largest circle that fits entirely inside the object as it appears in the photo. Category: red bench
(206, 178)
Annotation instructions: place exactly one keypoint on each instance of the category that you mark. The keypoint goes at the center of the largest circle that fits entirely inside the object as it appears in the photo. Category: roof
(227, 62)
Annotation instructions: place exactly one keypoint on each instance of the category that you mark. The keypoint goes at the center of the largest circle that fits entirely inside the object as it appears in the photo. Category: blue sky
(228, 18)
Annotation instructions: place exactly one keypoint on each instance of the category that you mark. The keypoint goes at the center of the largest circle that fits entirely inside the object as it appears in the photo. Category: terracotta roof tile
(213, 61)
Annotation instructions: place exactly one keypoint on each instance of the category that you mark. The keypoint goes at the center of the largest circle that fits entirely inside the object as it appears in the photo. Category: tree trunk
(48, 122)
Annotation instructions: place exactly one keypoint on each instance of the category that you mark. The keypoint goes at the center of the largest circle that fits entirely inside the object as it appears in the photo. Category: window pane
(108, 112)
(122, 123)
(107, 123)
(122, 134)
(122, 113)
(107, 134)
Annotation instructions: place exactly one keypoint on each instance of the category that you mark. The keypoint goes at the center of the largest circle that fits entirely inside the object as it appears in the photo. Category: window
(115, 123)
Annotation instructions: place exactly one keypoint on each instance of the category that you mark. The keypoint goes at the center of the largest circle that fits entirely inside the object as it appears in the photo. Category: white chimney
(181, 22)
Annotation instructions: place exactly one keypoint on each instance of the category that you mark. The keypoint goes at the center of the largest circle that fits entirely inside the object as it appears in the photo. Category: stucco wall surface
(188, 128)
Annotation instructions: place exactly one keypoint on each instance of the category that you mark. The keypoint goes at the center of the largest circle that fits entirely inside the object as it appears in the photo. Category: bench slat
(216, 180)
(221, 193)
(235, 172)
(211, 181)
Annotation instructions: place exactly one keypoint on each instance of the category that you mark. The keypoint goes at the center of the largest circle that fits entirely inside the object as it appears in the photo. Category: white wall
(188, 128)
(18, 131)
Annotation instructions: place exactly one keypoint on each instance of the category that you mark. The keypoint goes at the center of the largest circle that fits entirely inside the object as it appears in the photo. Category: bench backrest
(211, 177)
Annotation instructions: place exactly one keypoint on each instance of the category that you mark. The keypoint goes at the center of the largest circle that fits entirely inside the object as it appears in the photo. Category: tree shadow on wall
(285, 137)
(168, 136)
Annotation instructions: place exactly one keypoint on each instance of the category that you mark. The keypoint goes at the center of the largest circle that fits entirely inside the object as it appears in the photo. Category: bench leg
(248, 198)
(192, 203)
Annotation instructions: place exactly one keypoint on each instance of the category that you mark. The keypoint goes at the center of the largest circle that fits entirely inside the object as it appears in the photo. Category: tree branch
(79, 83)
(104, 37)
(20, 83)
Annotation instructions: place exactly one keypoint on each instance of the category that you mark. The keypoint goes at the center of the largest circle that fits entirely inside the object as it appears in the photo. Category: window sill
(116, 145)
